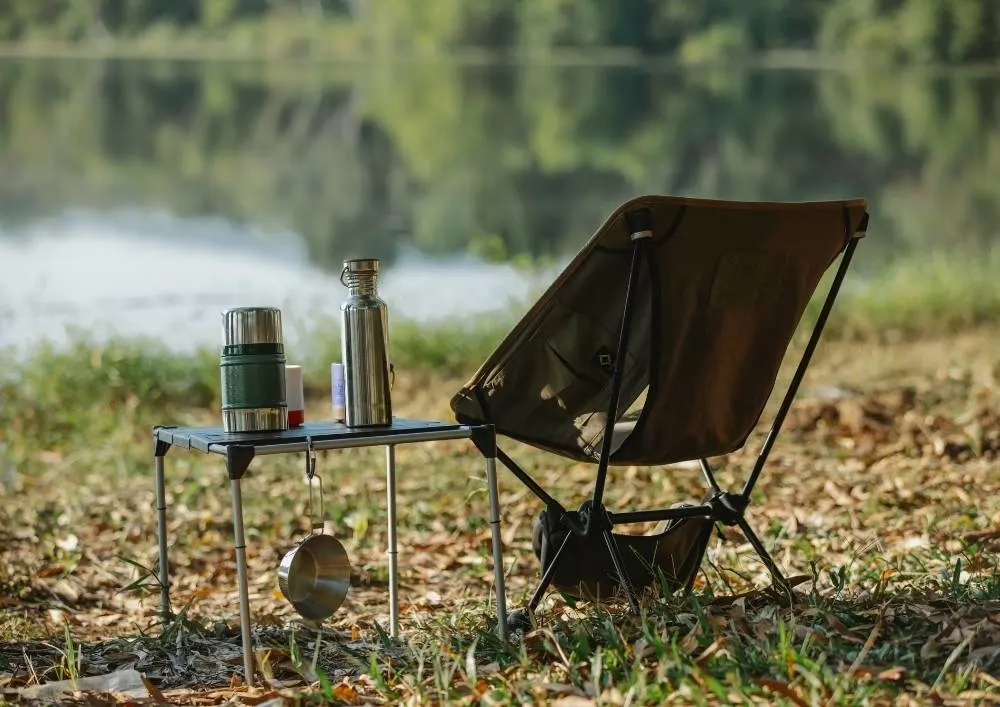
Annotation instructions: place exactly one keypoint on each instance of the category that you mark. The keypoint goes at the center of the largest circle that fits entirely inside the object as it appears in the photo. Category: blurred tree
(914, 30)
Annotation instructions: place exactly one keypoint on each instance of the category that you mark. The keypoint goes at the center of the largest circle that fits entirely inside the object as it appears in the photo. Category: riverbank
(912, 299)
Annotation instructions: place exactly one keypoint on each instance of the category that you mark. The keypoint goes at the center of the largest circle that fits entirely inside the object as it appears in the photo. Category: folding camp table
(239, 449)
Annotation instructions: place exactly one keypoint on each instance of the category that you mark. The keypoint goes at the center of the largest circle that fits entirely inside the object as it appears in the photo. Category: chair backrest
(718, 295)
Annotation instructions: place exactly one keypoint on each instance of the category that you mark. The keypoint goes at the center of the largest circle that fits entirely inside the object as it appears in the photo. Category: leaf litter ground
(881, 496)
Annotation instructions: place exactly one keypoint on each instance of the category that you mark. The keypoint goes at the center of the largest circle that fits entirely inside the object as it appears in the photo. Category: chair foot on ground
(520, 620)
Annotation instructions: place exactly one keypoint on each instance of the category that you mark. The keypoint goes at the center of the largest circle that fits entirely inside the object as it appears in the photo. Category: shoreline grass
(911, 299)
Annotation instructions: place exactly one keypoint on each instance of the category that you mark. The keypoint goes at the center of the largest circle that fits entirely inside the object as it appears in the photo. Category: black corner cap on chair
(639, 220)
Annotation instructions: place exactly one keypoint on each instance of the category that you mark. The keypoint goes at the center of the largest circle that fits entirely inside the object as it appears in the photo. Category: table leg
(390, 491)
(491, 481)
(239, 545)
(161, 538)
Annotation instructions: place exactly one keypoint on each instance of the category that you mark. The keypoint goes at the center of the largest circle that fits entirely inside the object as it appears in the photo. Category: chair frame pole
(800, 370)
(640, 240)
(548, 575)
(526, 479)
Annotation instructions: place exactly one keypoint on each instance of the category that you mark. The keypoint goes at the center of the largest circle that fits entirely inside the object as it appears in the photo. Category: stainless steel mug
(364, 337)
(315, 575)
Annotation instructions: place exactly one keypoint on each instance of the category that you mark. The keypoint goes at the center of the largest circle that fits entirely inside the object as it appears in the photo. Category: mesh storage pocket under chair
(668, 558)
(660, 342)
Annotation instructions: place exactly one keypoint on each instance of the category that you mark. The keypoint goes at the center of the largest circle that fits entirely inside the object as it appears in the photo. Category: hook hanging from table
(310, 458)
(311, 474)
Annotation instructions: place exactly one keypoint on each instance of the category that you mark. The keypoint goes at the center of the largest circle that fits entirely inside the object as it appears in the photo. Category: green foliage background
(907, 30)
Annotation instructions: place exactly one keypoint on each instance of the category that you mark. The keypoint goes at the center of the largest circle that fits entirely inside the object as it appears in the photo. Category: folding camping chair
(660, 342)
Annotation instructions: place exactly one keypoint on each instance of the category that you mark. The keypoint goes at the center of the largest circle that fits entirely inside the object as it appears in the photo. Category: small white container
(295, 396)
(338, 392)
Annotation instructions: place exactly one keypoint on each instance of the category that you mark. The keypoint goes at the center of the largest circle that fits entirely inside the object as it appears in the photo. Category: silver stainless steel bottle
(364, 340)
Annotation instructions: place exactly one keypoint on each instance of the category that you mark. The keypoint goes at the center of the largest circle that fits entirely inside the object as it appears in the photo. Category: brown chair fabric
(718, 299)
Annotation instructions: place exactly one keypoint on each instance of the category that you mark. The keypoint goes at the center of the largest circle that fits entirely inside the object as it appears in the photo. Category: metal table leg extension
(161, 536)
(239, 545)
(390, 491)
(498, 578)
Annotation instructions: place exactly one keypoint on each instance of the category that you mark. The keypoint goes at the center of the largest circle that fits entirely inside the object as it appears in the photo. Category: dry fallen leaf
(689, 643)
(346, 693)
(896, 674)
(153, 690)
(783, 689)
(711, 650)
(574, 701)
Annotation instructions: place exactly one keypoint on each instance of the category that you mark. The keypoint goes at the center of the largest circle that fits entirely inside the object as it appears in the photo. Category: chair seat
(715, 297)
(621, 432)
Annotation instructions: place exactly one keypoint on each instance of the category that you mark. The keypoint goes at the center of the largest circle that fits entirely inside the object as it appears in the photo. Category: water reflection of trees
(887, 30)
(519, 161)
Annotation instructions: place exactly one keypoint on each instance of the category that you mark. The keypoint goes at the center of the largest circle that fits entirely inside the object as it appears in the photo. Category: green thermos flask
(252, 366)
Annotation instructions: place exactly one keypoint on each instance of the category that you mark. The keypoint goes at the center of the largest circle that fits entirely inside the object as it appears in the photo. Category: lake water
(141, 198)
(155, 275)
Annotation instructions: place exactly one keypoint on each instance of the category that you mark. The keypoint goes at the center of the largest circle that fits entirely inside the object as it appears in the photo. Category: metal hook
(311, 474)
(310, 458)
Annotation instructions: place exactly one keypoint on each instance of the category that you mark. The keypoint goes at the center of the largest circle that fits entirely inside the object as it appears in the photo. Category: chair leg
(520, 619)
(765, 556)
(619, 562)
(549, 573)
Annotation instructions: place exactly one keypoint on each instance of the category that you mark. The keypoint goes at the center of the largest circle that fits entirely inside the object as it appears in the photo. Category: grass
(886, 500)
(914, 297)
(917, 295)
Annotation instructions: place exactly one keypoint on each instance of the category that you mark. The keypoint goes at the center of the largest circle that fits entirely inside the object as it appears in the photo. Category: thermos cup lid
(251, 325)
